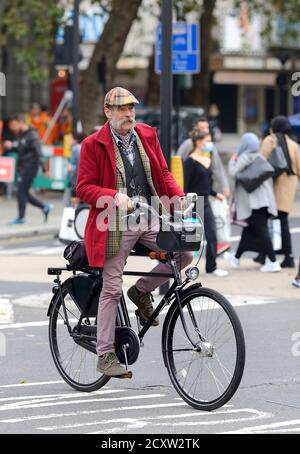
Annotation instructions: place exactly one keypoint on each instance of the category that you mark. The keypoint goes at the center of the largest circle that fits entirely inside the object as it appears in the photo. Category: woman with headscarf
(285, 185)
(254, 207)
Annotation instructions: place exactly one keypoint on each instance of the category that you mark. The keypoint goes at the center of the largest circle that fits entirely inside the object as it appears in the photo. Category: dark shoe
(108, 364)
(288, 263)
(261, 258)
(46, 212)
(17, 221)
(144, 303)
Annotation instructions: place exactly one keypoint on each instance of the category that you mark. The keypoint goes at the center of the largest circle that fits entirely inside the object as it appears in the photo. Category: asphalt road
(35, 399)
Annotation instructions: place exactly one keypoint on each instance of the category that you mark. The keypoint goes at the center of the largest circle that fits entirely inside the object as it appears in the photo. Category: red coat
(97, 177)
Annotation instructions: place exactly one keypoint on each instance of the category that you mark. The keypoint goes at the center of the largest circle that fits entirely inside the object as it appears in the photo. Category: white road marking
(40, 383)
(277, 431)
(58, 396)
(6, 310)
(29, 405)
(24, 325)
(91, 412)
(22, 251)
(236, 301)
(51, 251)
(142, 422)
(266, 427)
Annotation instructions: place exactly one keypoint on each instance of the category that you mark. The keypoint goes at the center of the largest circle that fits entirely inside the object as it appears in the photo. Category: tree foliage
(30, 27)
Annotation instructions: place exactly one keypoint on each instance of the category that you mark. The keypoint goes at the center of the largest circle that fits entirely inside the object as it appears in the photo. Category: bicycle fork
(202, 346)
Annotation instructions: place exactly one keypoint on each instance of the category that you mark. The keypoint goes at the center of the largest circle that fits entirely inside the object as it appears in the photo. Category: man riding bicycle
(122, 161)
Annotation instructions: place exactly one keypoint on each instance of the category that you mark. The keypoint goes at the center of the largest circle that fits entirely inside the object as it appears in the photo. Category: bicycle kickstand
(128, 373)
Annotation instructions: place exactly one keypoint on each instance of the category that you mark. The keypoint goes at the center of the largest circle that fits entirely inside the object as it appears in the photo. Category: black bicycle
(203, 344)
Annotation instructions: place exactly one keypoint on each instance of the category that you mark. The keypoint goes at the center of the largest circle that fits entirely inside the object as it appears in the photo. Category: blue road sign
(186, 48)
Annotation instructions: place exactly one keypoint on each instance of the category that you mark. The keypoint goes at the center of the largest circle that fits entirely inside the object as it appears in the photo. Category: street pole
(166, 89)
(166, 85)
(75, 72)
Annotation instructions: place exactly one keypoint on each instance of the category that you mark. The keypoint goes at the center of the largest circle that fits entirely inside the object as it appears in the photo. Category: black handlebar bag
(180, 236)
(76, 255)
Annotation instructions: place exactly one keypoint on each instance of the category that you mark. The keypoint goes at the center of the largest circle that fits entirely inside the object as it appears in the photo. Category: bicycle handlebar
(144, 206)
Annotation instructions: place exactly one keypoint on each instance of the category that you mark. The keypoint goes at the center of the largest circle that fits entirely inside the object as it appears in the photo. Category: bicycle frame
(174, 293)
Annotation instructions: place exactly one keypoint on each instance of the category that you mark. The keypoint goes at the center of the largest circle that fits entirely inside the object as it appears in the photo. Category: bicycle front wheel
(206, 377)
(76, 364)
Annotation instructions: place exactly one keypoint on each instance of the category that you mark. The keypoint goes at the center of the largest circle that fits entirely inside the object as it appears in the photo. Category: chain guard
(125, 335)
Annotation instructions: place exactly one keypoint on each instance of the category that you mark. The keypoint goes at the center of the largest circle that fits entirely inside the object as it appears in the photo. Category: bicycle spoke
(76, 363)
(203, 377)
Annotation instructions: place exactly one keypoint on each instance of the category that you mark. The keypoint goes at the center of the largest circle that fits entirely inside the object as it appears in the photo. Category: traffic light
(63, 53)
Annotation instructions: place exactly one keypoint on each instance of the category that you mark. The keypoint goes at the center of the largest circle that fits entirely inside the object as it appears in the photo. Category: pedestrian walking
(219, 176)
(296, 281)
(255, 208)
(285, 185)
(220, 180)
(198, 178)
(70, 197)
(122, 160)
(29, 160)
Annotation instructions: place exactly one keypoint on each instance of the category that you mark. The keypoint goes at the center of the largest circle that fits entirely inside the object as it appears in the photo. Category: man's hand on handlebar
(183, 203)
(123, 202)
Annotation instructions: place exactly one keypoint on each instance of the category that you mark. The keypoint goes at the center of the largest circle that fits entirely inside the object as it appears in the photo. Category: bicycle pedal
(141, 320)
(127, 374)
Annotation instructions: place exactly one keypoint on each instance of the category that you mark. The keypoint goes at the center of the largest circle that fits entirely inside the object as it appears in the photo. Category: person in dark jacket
(29, 160)
(198, 178)
(285, 185)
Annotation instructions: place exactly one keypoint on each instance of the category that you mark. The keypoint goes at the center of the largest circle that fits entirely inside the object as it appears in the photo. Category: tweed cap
(119, 96)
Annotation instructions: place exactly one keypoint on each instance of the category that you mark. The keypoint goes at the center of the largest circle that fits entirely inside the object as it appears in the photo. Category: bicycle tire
(56, 352)
(80, 213)
(171, 351)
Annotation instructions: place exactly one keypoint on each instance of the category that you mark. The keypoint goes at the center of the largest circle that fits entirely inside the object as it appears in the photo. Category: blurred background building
(249, 75)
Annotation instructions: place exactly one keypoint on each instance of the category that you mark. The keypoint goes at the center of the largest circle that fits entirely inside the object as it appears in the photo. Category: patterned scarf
(126, 144)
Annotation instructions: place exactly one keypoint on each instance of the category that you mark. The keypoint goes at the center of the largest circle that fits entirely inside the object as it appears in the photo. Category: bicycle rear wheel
(208, 378)
(76, 364)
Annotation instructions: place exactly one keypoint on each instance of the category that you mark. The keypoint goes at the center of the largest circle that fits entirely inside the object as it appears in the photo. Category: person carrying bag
(285, 183)
(256, 171)
(254, 206)
(278, 159)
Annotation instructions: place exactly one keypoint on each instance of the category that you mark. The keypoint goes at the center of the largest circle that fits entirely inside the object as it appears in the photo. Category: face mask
(209, 146)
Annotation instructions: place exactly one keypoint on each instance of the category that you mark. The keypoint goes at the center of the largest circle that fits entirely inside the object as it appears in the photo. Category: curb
(29, 232)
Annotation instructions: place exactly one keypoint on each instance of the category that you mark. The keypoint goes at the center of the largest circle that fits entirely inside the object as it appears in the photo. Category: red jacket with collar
(97, 178)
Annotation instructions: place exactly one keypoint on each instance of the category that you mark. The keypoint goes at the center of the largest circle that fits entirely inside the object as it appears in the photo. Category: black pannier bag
(76, 255)
(180, 236)
(85, 290)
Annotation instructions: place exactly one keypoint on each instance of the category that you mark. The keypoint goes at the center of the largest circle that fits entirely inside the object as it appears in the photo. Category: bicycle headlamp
(192, 273)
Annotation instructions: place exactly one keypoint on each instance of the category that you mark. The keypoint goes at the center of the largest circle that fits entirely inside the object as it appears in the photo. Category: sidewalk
(34, 217)
(35, 222)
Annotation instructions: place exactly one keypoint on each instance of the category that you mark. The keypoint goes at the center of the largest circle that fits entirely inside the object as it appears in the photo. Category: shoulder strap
(282, 143)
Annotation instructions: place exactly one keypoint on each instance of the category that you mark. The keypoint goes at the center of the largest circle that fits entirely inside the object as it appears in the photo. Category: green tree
(110, 47)
(30, 29)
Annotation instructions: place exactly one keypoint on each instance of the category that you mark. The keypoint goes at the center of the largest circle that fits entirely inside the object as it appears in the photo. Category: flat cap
(119, 96)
